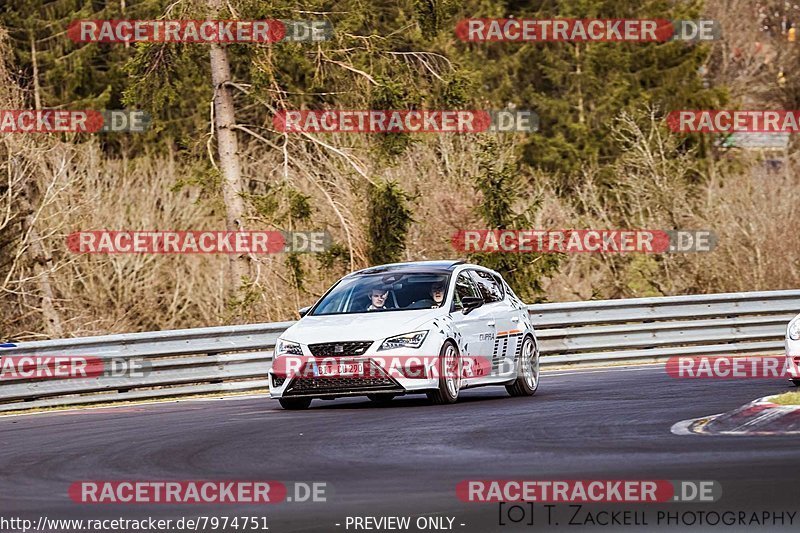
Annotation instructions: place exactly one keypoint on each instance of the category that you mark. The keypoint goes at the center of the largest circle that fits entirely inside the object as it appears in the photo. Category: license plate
(341, 369)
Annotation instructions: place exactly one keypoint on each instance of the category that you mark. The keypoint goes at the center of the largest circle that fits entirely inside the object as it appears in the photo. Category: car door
(476, 327)
(508, 335)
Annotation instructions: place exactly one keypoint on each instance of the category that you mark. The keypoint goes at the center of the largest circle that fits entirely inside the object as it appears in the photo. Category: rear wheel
(796, 382)
(295, 404)
(381, 399)
(449, 375)
(527, 371)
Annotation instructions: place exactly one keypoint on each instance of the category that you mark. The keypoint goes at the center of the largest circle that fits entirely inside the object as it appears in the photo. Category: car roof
(413, 266)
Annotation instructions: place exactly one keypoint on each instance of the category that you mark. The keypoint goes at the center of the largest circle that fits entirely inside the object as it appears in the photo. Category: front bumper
(380, 369)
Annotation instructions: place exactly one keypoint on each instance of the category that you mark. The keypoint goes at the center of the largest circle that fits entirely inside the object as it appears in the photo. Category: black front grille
(374, 378)
(339, 349)
(340, 383)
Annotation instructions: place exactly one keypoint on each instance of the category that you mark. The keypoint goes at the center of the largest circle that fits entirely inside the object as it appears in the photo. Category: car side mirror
(470, 303)
(303, 311)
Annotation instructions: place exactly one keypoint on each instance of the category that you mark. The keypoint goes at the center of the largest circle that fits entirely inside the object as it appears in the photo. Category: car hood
(358, 326)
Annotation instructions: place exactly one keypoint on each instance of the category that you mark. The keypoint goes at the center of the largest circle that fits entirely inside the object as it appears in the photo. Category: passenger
(378, 298)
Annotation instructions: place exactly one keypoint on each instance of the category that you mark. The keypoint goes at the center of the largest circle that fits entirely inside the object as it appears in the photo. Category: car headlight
(794, 330)
(283, 347)
(406, 340)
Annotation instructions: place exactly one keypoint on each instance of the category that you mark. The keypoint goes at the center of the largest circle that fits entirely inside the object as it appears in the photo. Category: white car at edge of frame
(449, 310)
(793, 350)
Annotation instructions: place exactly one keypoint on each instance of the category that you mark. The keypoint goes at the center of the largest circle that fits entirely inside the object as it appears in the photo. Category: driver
(436, 299)
(437, 293)
(377, 297)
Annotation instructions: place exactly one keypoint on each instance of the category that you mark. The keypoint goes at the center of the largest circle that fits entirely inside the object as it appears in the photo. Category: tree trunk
(42, 266)
(228, 151)
(579, 72)
(42, 262)
(122, 8)
(37, 100)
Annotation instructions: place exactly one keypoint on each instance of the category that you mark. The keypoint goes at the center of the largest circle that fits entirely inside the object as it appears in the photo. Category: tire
(449, 375)
(796, 382)
(381, 399)
(295, 404)
(527, 371)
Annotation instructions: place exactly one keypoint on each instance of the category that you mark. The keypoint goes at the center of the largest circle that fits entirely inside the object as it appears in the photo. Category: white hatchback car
(432, 327)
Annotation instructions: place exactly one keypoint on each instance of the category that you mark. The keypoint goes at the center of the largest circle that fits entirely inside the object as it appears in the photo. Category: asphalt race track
(406, 459)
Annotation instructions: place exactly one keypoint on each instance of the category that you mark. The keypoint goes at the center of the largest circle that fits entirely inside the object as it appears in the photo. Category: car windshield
(396, 291)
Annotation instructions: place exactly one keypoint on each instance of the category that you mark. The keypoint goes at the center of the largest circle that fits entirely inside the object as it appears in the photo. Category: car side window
(490, 290)
(501, 285)
(464, 287)
(513, 296)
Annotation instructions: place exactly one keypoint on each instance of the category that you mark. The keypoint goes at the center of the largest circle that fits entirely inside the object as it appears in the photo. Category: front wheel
(527, 371)
(449, 375)
(295, 404)
(796, 382)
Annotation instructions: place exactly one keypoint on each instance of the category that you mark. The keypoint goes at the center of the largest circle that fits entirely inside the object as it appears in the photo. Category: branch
(352, 161)
(351, 69)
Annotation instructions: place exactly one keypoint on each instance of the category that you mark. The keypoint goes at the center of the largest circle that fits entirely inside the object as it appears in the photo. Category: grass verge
(787, 398)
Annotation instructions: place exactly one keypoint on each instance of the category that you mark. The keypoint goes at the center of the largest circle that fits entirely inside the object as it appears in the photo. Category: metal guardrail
(227, 359)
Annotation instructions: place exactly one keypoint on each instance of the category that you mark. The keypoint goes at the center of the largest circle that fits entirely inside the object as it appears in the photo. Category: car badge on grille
(338, 348)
